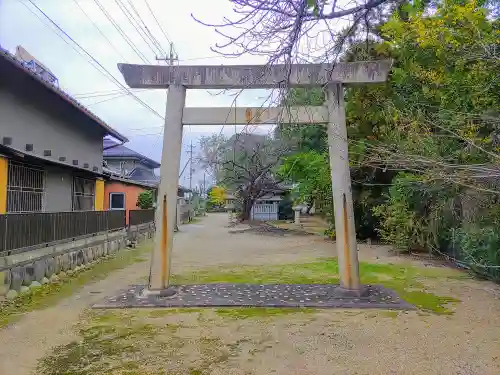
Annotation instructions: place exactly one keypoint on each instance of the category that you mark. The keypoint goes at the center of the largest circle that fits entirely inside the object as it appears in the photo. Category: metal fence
(22, 230)
(137, 217)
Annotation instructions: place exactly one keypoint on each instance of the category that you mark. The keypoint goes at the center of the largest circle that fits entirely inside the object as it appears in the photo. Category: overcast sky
(30, 29)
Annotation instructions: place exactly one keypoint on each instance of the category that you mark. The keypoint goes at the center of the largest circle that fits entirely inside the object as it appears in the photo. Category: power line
(115, 81)
(100, 31)
(91, 93)
(130, 17)
(155, 41)
(96, 95)
(121, 32)
(48, 25)
(158, 23)
(206, 58)
(117, 96)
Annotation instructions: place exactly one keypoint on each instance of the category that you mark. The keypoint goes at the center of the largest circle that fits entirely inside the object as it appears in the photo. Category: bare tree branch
(279, 29)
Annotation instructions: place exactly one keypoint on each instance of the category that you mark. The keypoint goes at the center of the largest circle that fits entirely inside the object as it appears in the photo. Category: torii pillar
(179, 78)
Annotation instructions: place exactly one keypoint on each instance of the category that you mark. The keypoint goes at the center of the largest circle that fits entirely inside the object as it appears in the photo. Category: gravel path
(196, 246)
(23, 343)
(323, 343)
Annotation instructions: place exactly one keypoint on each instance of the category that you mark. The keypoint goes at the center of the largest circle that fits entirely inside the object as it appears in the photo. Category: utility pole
(191, 165)
(190, 152)
(204, 184)
(204, 194)
(172, 56)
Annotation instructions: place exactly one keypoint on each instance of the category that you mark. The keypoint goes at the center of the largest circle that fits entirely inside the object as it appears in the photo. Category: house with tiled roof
(123, 162)
(129, 173)
(51, 146)
(129, 163)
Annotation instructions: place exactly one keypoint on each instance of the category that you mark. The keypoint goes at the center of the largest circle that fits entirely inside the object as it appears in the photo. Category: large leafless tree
(244, 164)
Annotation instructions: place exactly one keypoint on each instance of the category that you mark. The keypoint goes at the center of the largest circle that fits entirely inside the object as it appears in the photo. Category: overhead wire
(117, 96)
(91, 93)
(135, 25)
(153, 39)
(96, 95)
(58, 35)
(157, 22)
(94, 62)
(122, 33)
(109, 75)
(100, 31)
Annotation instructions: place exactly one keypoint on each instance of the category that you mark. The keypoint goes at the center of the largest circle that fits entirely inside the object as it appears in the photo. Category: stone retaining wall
(30, 269)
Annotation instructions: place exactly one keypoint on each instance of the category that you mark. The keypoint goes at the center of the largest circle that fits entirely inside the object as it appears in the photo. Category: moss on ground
(323, 272)
(161, 312)
(154, 341)
(126, 342)
(109, 341)
(390, 313)
(318, 230)
(406, 280)
(260, 312)
(49, 294)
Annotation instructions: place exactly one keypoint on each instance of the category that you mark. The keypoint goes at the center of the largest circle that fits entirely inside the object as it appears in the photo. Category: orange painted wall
(131, 194)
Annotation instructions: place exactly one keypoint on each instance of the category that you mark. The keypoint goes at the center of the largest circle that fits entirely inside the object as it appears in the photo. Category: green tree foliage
(440, 124)
(303, 137)
(311, 172)
(145, 200)
(445, 82)
(426, 141)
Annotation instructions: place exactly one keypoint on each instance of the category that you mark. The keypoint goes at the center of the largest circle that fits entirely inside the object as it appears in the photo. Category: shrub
(145, 200)
(400, 225)
(479, 248)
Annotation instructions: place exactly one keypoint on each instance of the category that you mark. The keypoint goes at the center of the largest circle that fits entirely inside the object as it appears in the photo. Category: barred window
(25, 187)
(83, 194)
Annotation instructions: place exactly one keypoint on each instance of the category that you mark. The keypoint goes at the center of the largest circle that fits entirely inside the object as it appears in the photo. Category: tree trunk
(246, 209)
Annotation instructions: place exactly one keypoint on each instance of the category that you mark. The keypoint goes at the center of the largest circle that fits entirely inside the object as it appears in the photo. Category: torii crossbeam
(179, 78)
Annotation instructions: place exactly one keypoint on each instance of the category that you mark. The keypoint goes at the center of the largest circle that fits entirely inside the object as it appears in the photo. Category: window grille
(83, 194)
(25, 187)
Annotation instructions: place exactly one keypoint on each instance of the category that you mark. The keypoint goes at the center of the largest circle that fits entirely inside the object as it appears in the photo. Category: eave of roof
(6, 150)
(112, 176)
(6, 55)
(113, 150)
(146, 160)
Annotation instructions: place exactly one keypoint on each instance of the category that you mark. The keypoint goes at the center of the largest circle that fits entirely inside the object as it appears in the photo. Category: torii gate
(179, 78)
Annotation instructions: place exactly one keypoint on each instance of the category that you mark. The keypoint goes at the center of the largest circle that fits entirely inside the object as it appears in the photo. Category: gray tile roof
(113, 150)
(141, 174)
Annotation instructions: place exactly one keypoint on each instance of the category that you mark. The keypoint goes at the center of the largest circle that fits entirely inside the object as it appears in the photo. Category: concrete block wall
(20, 274)
(140, 233)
